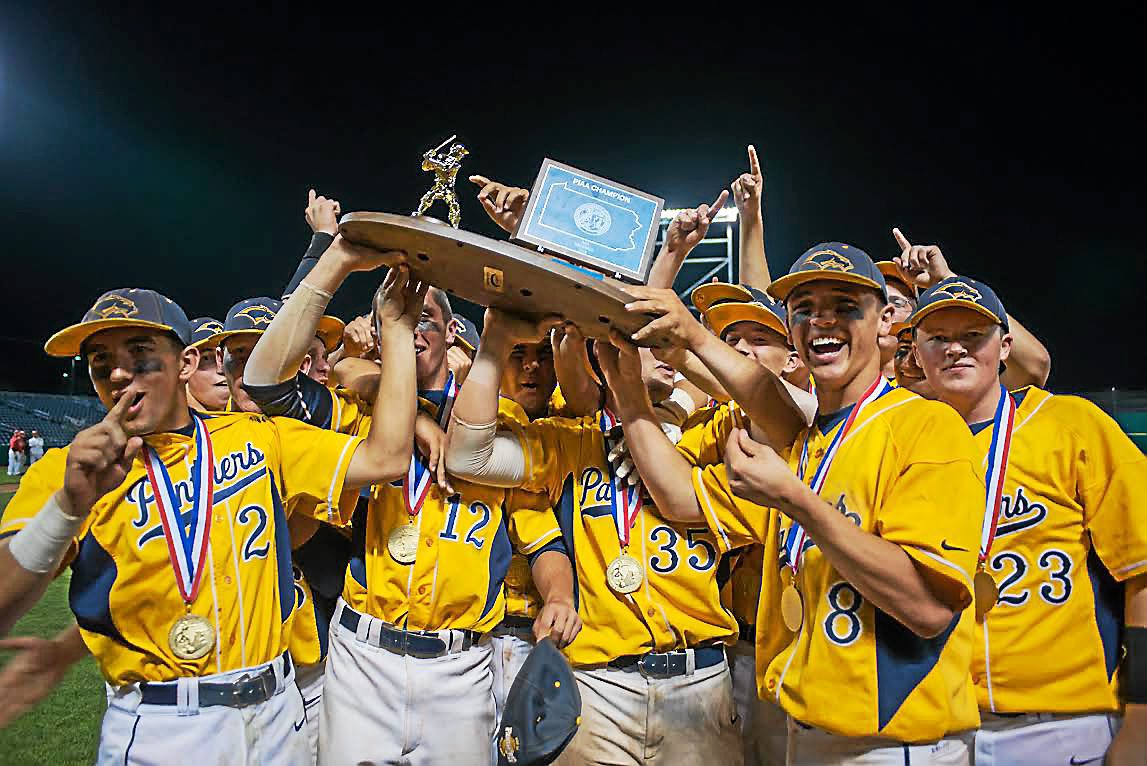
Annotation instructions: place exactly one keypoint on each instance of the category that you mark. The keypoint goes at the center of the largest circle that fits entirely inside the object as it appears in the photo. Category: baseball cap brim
(724, 315)
(222, 336)
(70, 340)
(330, 331)
(920, 313)
(892, 271)
(781, 288)
(708, 294)
(900, 327)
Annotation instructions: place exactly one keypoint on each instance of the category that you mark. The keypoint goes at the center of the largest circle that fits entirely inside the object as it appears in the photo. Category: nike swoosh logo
(945, 546)
(1075, 762)
(301, 723)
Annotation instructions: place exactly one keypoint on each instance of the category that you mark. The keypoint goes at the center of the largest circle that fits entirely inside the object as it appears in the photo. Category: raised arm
(322, 216)
(580, 387)
(476, 451)
(664, 472)
(771, 404)
(685, 232)
(1029, 363)
(385, 454)
(280, 350)
(748, 193)
(98, 461)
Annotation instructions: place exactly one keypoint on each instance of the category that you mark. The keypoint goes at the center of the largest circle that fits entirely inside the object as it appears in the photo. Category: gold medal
(986, 593)
(792, 608)
(403, 543)
(191, 637)
(624, 574)
(518, 574)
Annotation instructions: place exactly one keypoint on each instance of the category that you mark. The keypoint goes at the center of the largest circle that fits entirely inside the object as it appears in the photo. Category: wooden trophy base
(490, 272)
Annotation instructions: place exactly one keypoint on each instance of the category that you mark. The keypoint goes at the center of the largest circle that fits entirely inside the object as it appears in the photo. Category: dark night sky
(145, 149)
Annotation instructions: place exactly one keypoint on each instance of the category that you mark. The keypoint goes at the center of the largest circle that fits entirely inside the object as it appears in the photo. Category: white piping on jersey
(215, 600)
(338, 411)
(529, 548)
(331, 507)
(988, 667)
(1129, 568)
(713, 522)
(433, 592)
(945, 562)
(238, 584)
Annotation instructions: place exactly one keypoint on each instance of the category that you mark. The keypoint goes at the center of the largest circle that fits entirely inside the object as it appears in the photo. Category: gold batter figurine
(445, 167)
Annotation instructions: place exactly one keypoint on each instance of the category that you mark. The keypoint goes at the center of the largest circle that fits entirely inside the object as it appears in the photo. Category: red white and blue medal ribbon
(997, 469)
(186, 545)
(793, 548)
(625, 499)
(416, 485)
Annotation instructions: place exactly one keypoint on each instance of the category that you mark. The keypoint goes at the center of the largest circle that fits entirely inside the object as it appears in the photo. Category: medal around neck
(624, 574)
(987, 593)
(792, 608)
(191, 637)
(403, 543)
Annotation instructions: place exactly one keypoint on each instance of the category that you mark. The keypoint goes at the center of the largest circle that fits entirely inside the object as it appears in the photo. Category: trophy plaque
(592, 221)
(615, 232)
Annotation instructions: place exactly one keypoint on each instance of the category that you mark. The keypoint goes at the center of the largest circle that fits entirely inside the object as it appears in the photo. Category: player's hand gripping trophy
(445, 167)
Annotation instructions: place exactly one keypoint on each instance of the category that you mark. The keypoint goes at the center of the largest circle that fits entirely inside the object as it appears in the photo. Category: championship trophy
(581, 239)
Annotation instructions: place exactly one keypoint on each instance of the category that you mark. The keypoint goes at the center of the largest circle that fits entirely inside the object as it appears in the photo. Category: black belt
(516, 622)
(747, 633)
(423, 644)
(248, 689)
(670, 664)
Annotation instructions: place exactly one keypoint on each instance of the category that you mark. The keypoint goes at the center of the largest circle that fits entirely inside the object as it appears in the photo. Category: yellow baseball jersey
(906, 472)
(465, 542)
(1072, 527)
(678, 604)
(123, 589)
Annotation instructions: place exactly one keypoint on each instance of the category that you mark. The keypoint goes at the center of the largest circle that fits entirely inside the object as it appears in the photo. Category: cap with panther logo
(964, 293)
(832, 261)
(125, 307)
(253, 315)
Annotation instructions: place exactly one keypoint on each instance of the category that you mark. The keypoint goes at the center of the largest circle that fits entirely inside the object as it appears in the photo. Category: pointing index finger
(118, 413)
(754, 163)
(715, 208)
(479, 180)
(901, 239)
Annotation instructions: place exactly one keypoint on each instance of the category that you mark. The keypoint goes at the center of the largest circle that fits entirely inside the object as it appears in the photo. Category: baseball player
(174, 524)
(1062, 552)
(207, 389)
(752, 323)
(868, 591)
(902, 298)
(650, 660)
(424, 582)
(1029, 363)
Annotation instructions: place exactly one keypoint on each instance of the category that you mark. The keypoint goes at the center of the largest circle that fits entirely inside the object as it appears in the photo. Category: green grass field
(64, 729)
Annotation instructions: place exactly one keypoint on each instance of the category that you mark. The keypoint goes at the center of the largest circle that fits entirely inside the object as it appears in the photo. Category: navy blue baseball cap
(465, 333)
(204, 331)
(542, 712)
(960, 292)
(833, 261)
(724, 312)
(125, 307)
(253, 315)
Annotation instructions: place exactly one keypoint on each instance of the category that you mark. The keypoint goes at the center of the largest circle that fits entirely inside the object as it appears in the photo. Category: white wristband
(41, 545)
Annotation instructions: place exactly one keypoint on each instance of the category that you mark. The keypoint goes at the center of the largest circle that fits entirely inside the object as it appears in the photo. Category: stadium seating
(58, 418)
